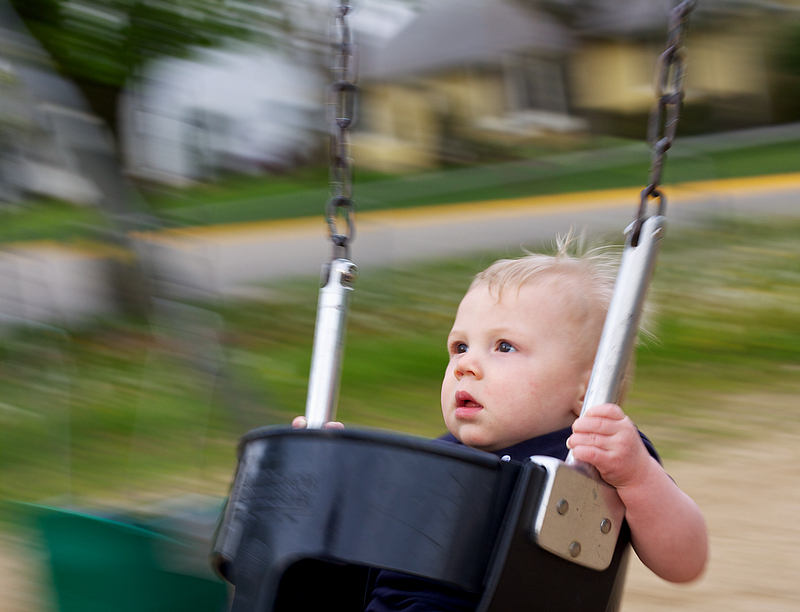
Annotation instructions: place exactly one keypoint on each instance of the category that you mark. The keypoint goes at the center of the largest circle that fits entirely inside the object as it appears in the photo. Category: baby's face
(514, 370)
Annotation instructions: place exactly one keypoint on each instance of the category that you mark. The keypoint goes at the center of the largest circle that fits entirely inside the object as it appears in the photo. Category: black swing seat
(311, 513)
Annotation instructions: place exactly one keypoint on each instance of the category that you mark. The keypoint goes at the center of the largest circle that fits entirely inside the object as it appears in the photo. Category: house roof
(449, 33)
(642, 18)
(624, 17)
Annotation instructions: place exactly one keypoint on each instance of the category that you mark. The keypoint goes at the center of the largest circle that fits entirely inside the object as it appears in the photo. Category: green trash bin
(104, 565)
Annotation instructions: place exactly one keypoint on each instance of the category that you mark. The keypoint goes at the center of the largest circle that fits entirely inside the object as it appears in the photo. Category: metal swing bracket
(579, 516)
(326, 357)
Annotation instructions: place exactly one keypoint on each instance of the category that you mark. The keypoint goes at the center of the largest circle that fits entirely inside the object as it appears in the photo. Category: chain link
(663, 120)
(341, 109)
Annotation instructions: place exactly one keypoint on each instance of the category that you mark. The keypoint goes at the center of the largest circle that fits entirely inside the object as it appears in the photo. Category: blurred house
(612, 69)
(44, 124)
(467, 74)
(243, 109)
(449, 81)
(463, 71)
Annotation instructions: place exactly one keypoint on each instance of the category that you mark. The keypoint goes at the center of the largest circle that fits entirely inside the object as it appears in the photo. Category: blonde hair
(595, 270)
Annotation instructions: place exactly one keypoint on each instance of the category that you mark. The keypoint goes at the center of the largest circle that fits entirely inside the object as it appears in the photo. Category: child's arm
(668, 530)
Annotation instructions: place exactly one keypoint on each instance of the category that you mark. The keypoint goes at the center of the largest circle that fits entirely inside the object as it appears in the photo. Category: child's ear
(583, 384)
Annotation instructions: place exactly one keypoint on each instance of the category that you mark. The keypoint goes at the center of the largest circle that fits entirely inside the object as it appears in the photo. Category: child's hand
(667, 528)
(609, 440)
(299, 422)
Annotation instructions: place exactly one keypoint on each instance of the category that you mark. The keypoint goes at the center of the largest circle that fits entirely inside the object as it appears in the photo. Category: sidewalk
(47, 282)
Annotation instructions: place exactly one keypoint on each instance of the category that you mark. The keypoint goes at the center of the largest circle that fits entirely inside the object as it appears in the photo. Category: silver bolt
(350, 274)
(562, 506)
(575, 549)
(605, 525)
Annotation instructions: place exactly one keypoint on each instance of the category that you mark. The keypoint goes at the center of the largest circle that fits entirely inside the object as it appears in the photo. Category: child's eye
(458, 347)
(505, 347)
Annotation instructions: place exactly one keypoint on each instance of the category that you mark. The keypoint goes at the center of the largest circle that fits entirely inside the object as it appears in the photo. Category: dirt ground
(750, 494)
(749, 491)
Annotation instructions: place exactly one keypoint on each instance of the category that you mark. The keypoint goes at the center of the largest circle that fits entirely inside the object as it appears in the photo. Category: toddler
(521, 353)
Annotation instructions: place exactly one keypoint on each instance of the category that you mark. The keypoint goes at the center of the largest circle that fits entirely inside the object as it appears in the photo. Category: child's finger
(300, 422)
(609, 411)
(595, 455)
(598, 425)
(589, 439)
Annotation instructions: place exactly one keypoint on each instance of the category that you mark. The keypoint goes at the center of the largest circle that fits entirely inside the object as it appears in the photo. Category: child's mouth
(466, 404)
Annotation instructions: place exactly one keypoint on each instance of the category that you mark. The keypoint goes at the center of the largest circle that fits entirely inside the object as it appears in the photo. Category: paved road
(50, 283)
(225, 260)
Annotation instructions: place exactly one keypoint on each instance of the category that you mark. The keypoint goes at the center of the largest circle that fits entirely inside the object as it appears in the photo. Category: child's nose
(467, 364)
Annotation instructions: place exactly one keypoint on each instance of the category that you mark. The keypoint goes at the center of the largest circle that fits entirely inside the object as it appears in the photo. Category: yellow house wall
(613, 76)
(401, 123)
(727, 65)
(470, 94)
(619, 76)
(398, 129)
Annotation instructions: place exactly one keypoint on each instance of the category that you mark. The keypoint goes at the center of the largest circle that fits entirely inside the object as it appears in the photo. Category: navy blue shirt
(396, 592)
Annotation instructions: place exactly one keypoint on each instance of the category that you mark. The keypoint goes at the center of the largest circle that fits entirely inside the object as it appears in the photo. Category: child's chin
(475, 440)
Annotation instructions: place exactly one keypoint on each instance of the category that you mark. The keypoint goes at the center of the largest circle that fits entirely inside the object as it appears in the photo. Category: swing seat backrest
(313, 513)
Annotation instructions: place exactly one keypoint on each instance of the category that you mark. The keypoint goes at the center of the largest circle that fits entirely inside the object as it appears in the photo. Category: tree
(100, 44)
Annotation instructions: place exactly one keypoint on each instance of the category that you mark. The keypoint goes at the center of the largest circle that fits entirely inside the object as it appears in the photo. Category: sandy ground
(749, 491)
(750, 494)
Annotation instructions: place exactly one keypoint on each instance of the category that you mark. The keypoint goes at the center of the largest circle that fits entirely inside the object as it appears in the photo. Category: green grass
(304, 192)
(48, 219)
(130, 408)
(583, 170)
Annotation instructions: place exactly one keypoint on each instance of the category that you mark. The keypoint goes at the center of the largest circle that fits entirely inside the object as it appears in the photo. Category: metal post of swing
(326, 357)
(643, 236)
(339, 275)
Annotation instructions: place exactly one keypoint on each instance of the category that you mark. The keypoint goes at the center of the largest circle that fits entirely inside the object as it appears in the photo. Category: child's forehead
(550, 284)
(562, 296)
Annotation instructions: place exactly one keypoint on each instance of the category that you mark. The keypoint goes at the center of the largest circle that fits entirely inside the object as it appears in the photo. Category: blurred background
(163, 175)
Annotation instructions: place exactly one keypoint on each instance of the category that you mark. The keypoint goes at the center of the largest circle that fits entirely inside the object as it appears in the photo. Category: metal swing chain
(663, 121)
(341, 114)
(340, 274)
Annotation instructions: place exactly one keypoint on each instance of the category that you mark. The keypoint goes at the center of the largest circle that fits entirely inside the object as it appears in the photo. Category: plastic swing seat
(312, 511)
(103, 565)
